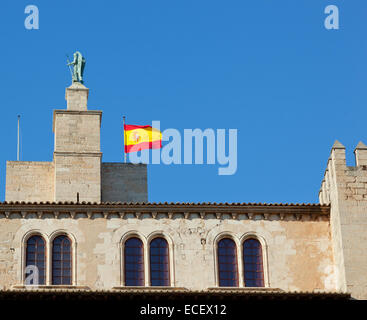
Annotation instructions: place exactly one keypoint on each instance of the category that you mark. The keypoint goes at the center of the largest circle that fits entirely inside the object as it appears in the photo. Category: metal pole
(67, 59)
(123, 121)
(18, 138)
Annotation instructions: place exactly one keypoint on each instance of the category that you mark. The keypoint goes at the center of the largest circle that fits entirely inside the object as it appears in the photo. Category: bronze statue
(78, 64)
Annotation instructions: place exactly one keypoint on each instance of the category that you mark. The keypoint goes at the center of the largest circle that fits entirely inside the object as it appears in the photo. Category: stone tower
(344, 188)
(77, 171)
(77, 153)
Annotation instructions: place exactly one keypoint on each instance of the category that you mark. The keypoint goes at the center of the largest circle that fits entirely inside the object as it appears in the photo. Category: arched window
(36, 256)
(227, 263)
(61, 261)
(253, 263)
(134, 262)
(159, 262)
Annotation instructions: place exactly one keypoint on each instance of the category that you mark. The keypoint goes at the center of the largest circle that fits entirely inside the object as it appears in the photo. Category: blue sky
(267, 68)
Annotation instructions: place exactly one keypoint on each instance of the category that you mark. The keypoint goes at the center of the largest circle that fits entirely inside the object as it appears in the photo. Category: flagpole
(123, 120)
(18, 138)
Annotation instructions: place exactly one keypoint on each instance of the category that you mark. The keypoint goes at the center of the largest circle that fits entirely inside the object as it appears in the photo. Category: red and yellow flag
(141, 137)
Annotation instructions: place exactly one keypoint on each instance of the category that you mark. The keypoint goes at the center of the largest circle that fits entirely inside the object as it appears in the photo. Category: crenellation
(348, 200)
(360, 153)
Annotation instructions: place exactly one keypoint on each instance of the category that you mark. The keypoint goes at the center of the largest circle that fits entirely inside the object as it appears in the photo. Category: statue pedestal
(77, 97)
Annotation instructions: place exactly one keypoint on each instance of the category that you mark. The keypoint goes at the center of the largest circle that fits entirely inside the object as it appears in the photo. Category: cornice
(271, 212)
(77, 154)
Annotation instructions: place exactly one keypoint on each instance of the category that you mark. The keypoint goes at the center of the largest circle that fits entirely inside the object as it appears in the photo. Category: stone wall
(77, 131)
(345, 189)
(29, 181)
(297, 250)
(77, 174)
(124, 182)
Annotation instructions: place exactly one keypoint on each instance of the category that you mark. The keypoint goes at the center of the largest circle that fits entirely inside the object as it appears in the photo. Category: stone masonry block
(77, 97)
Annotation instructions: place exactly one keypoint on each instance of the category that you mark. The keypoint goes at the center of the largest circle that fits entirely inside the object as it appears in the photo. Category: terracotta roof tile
(166, 204)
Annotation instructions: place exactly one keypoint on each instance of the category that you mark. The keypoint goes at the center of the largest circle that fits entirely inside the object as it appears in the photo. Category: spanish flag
(141, 137)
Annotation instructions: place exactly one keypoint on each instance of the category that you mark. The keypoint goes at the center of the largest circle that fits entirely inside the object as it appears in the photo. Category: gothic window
(36, 256)
(159, 263)
(61, 261)
(253, 263)
(227, 263)
(134, 262)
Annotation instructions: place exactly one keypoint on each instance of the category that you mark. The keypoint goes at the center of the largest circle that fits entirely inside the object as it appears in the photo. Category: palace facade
(79, 224)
